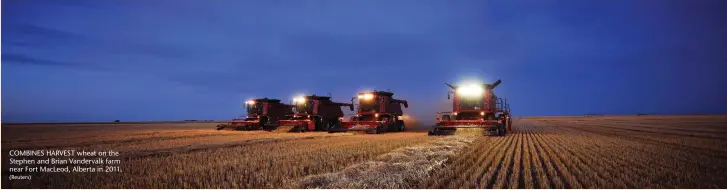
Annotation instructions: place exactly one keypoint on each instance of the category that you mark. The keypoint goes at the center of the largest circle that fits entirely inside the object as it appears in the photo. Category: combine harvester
(261, 114)
(474, 106)
(377, 113)
(313, 113)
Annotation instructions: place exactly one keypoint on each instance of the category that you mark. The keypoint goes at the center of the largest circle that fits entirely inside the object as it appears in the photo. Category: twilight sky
(193, 59)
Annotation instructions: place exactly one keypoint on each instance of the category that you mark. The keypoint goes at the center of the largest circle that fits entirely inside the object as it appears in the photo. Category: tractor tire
(303, 129)
(319, 124)
(490, 117)
(392, 127)
(379, 129)
(221, 126)
(335, 124)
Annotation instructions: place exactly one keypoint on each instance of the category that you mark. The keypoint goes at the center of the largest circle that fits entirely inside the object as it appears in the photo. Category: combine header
(261, 114)
(377, 113)
(474, 106)
(313, 113)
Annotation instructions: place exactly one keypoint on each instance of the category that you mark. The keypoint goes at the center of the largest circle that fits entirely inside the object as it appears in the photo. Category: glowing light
(470, 90)
(299, 99)
(482, 113)
(250, 102)
(366, 96)
(376, 115)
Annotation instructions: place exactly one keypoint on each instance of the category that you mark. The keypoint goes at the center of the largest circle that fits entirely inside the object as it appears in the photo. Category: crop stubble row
(261, 165)
(548, 153)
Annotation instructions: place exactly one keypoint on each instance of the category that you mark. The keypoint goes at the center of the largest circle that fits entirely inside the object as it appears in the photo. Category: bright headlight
(250, 102)
(299, 99)
(368, 96)
(470, 90)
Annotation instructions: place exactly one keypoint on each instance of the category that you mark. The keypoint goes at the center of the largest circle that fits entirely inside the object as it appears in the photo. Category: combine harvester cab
(261, 114)
(474, 106)
(313, 113)
(377, 113)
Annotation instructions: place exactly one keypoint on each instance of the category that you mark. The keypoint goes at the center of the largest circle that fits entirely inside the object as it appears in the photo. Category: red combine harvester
(377, 113)
(314, 113)
(261, 114)
(474, 106)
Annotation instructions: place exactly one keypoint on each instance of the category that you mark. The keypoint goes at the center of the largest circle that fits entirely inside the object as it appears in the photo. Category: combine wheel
(319, 124)
(504, 130)
(434, 132)
(400, 124)
(379, 129)
(221, 126)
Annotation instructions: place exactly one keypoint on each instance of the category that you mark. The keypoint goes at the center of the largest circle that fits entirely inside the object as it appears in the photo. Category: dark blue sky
(171, 60)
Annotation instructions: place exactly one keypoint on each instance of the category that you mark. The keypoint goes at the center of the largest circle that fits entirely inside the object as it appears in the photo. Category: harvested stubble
(544, 152)
(595, 152)
(400, 168)
(262, 162)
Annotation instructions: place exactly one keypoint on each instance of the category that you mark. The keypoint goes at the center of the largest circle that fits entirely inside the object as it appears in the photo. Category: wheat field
(541, 152)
